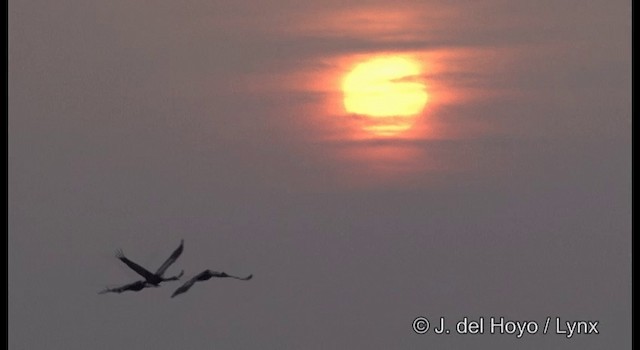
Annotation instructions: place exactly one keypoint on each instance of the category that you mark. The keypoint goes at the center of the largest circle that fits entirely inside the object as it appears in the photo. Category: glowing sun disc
(386, 91)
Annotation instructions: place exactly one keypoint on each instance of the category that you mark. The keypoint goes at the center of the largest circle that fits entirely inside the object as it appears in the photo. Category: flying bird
(134, 287)
(203, 276)
(157, 277)
(150, 279)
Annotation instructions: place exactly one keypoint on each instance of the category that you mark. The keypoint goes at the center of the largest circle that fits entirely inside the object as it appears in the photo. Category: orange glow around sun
(386, 91)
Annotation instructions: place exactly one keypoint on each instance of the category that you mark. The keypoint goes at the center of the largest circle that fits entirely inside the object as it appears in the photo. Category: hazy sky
(136, 124)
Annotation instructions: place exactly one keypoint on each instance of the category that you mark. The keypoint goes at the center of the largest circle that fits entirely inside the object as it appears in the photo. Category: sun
(388, 91)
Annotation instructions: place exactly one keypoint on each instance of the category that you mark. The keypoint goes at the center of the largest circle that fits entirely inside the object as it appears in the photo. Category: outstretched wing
(185, 287)
(174, 256)
(135, 267)
(135, 286)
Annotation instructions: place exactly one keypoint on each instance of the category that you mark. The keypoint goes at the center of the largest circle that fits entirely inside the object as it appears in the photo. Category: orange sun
(387, 91)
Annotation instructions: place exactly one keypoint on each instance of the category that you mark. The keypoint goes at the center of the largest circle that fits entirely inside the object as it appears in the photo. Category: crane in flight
(158, 276)
(203, 276)
(150, 279)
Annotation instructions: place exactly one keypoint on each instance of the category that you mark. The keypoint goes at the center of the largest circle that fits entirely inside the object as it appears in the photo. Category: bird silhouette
(203, 276)
(134, 287)
(158, 276)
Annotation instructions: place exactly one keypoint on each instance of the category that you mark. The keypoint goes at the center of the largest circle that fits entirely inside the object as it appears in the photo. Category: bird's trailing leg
(242, 278)
(175, 278)
(224, 274)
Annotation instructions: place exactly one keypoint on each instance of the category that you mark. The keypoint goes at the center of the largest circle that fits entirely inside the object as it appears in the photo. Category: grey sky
(135, 124)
